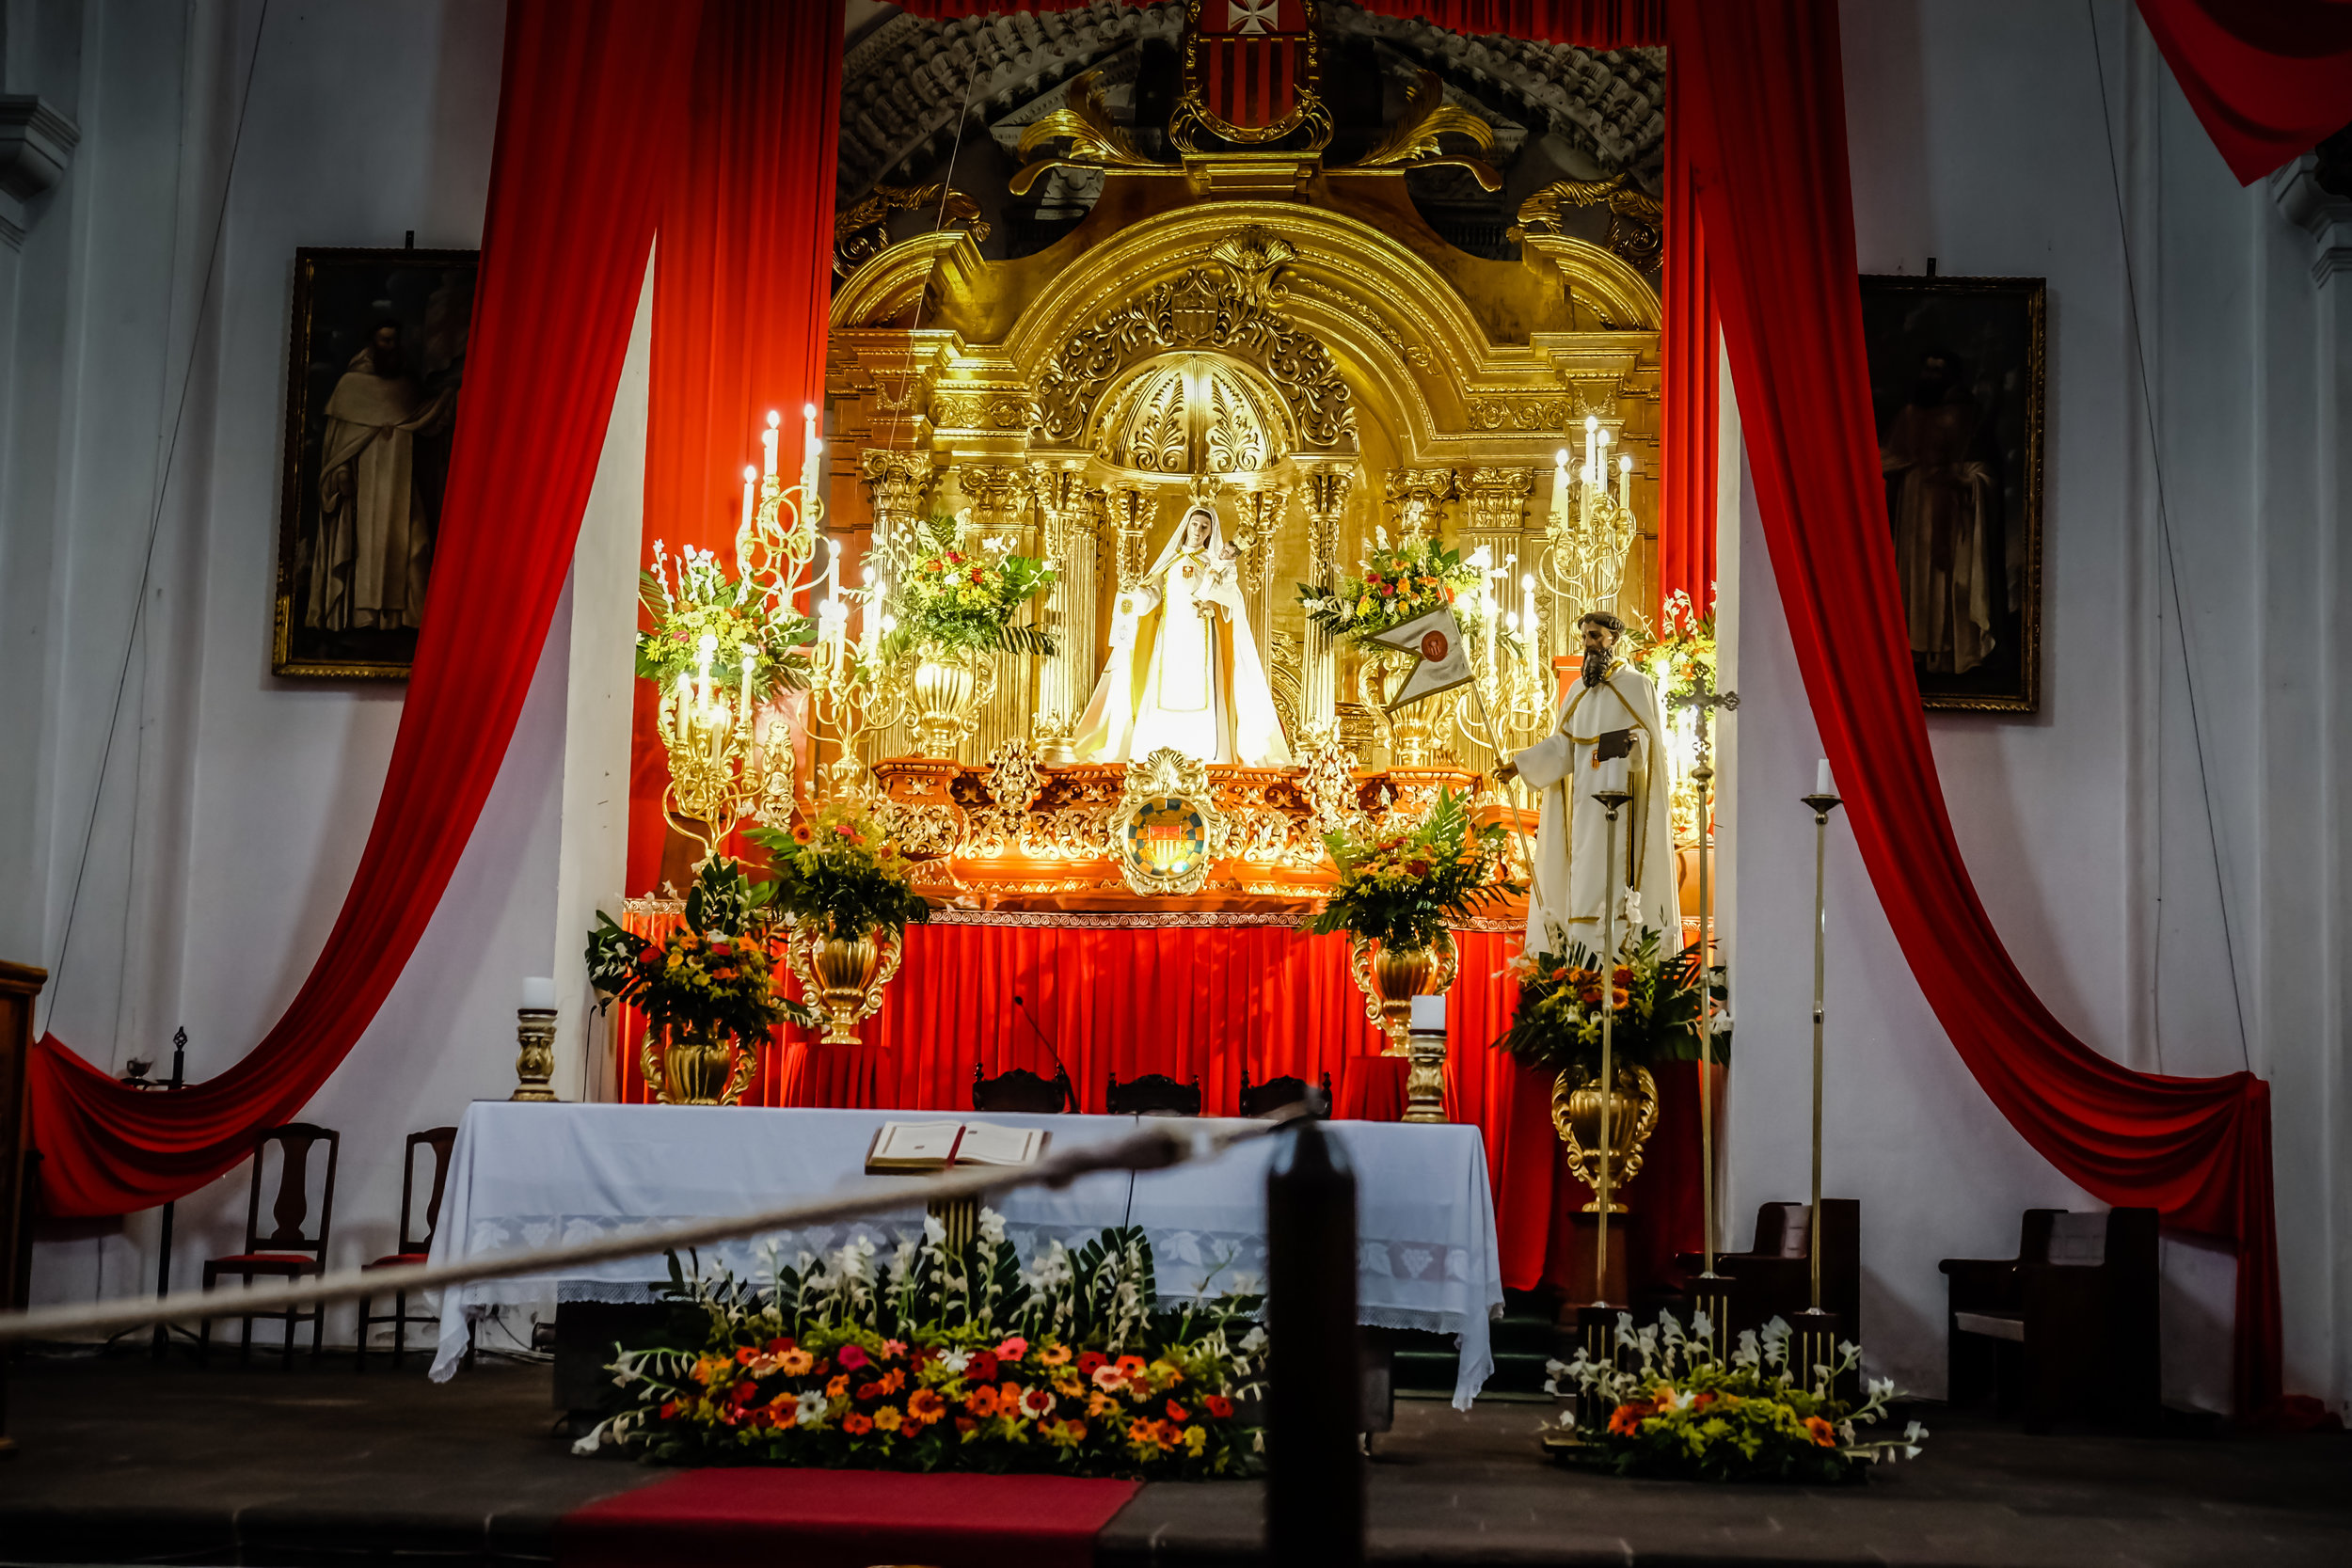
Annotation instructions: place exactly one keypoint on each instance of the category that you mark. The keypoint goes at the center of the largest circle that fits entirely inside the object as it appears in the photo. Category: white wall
(1976, 139)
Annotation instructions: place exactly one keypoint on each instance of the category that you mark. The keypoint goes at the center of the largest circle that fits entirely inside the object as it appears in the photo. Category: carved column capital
(1498, 499)
(1417, 496)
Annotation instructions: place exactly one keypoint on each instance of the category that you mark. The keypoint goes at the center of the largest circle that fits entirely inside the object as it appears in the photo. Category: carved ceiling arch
(905, 82)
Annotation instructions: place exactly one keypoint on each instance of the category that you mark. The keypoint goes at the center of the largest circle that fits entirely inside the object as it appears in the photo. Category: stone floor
(121, 1461)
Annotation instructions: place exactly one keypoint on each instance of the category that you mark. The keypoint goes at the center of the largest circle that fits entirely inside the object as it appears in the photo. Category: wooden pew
(2067, 1328)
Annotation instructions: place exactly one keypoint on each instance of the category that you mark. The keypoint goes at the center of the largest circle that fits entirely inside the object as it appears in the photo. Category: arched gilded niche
(1193, 414)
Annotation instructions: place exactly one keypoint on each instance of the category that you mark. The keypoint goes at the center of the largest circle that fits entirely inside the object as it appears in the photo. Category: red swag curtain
(2269, 79)
(1691, 389)
(574, 189)
(1594, 24)
(1768, 158)
(742, 277)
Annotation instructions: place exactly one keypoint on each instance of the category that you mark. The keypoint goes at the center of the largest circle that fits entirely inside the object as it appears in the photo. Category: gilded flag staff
(1612, 802)
(1822, 800)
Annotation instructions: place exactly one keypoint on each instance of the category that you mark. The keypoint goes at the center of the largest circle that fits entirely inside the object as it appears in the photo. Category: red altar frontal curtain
(742, 280)
(1210, 1000)
(2269, 79)
(574, 189)
(1767, 155)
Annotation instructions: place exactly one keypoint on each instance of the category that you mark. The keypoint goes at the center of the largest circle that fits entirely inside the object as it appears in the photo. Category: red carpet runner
(844, 1519)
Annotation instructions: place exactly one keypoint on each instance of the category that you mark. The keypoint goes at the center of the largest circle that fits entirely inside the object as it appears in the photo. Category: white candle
(1625, 482)
(1821, 778)
(745, 714)
(1560, 487)
(751, 492)
(538, 994)
(1530, 624)
(767, 444)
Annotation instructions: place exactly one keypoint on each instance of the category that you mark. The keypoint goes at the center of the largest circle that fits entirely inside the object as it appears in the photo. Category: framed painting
(1957, 383)
(377, 354)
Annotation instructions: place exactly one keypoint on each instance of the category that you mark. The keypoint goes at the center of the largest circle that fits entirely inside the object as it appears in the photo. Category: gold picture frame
(375, 355)
(1957, 384)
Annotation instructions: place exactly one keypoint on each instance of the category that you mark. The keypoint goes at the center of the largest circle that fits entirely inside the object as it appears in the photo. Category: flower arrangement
(1683, 1412)
(1400, 888)
(839, 867)
(947, 1360)
(966, 598)
(1399, 582)
(1683, 645)
(712, 976)
(1654, 999)
(705, 619)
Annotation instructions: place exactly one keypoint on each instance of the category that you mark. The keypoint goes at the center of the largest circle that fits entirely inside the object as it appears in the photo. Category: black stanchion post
(1314, 1466)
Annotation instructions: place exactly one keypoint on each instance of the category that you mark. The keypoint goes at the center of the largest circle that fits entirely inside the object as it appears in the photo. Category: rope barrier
(1151, 1148)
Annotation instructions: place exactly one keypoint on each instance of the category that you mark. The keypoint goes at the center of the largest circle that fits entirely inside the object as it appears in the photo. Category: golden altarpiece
(1290, 341)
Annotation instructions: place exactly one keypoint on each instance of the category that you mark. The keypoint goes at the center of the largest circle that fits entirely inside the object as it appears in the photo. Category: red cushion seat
(396, 1259)
(267, 1262)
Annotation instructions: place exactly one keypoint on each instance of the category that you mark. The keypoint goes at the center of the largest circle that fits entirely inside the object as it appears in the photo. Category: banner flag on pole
(1445, 662)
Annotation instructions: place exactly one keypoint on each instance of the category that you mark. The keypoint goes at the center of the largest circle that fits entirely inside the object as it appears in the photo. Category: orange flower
(1627, 1418)
(838, 1388)
(1129, 1366)
(925, 1406)
(1177, 1412)
(981, 1402)
(795, 1362)
(1823, 1434)
(1055, 1357)
(801, 834)
(856, 1425)
(782, 1411)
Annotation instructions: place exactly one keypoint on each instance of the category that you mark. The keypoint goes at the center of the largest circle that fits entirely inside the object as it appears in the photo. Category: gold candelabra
(1592, 528)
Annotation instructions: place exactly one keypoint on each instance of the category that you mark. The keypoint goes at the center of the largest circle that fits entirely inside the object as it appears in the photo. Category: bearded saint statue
(1609, 737)
(1183, 670)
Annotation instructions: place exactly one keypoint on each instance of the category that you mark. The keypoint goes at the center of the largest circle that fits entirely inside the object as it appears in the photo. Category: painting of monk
(377, 360)
(1956, 382)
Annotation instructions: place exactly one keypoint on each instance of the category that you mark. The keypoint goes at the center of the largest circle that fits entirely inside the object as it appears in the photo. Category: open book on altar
(902, 1147)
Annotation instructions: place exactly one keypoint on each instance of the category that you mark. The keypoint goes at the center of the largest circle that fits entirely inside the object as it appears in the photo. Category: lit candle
(751, 492)
(1821, 778)
(686, 705)
(812, 465)
(1625, 482)
(743, 713)
(767, 444)
(1560, 487)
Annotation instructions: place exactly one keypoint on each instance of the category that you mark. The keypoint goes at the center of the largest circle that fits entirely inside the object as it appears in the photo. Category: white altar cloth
(532, 1174)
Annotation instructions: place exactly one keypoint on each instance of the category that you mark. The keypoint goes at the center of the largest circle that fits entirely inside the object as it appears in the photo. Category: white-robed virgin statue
(1183, 670)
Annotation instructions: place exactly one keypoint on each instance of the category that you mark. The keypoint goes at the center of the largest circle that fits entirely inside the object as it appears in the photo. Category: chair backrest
(1022, 1090)
(1154, 1093)
(289, 1212)
(440, 1140)
(1275, 1094)
(2079, 1241)
(1781, 1230)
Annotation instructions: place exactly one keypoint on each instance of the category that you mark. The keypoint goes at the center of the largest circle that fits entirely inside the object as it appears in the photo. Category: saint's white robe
(1572, 880)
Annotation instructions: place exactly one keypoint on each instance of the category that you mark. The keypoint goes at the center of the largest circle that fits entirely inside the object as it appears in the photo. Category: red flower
(1176, 1412)
(981, 1368)
(857, 1425)
(1088, 1360)
(965, 1423)
(850, 1358)
(669, 1409)
(1219, 1406)
(745, 1392)
(1625, 1419)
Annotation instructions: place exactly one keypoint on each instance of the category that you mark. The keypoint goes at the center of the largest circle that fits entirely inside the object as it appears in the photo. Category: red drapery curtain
(1594, 24)
(1213, 1002)
(743, 278)
(2269, 79)
(574, 189)
(1767, 156)
(1691, 395)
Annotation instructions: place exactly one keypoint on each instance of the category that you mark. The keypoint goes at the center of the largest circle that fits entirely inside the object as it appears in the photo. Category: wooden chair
(2069, 1324)
(1022, 1090)
(288, 1252)
(1773, 1278)
(415, 1247)
(1154, 1093)
(1275, 1094)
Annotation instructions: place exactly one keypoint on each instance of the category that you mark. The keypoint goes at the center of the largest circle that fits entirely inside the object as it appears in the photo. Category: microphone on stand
(1022, 1002)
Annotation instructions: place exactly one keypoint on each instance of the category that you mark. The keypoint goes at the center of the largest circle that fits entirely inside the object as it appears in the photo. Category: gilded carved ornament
(1412, 141)
(1637, 222)
(1227, 305)
(863, 232)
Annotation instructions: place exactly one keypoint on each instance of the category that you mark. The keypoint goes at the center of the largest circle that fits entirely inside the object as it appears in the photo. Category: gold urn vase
(692, 1067)
(1633, 1117)
(1410, 733)
(843, 977)
(1391, 978)
(949, 685)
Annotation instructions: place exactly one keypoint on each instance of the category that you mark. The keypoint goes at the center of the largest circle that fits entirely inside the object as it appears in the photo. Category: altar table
(532, 1175)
